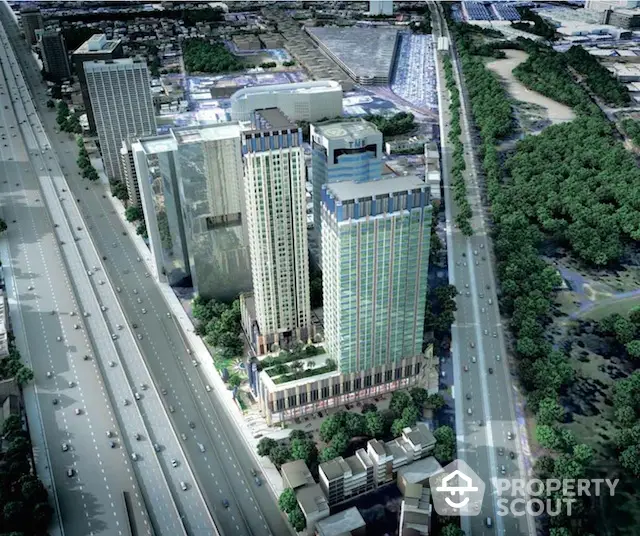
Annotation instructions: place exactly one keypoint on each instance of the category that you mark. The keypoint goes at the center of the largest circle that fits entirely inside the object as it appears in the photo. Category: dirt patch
(556, 112)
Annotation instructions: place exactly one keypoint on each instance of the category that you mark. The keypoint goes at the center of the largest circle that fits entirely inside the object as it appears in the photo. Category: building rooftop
(312, 499)
(296, 474)
(378, 447)
(222, 131)
(420, 470)
(350, 190)
(314, 86)
(96, 44)
(348, 130)
(367, 52)
(344, 522)
(272, 119)
(420, 435)
(334, 468)
(355, 465)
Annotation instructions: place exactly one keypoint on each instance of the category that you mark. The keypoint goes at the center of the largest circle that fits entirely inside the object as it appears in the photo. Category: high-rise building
(54, 54)
(375, 251)
(302, 101)
(274, 186)
(192, 196)
(97, 47)
(381, 7)
(129, 173)
(31, 18)
(343, 151)
(121, 100)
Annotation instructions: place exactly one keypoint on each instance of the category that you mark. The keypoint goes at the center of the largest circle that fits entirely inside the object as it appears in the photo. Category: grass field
(608, 307)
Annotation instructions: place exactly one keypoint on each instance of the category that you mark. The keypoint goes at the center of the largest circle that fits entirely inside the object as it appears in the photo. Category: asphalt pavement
(223, 470)
(486, 425)
(174, 509)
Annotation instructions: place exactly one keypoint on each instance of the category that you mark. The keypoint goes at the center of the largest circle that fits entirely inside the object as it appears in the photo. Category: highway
(486, 425)
(222, 471)
(97, 314)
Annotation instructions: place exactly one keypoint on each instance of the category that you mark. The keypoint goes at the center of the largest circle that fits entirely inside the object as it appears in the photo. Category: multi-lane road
(486, 425)
(223, 471)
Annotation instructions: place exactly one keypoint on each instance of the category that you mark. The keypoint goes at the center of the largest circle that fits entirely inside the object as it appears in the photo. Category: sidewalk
(254, 422)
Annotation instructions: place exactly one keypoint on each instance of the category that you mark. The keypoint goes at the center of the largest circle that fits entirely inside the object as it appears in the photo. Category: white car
(174, 463)
(78, 411)
(114, 336)
(144, 311)
(103, 308)
(134, 456)
(208, 388)
(139, 336)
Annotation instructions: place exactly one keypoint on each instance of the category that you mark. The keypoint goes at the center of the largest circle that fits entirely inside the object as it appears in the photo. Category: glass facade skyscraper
(375, 241)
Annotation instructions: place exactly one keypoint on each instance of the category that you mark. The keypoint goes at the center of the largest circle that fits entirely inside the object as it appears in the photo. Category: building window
(407, 371)
(398, 373)
(367, 381)
(336, 389)
(292, 400)
(346, 386)
(388, 375)
(378, 378)
(303, 398)
(314, 395)
(325, 392)
(279, 404)
(417, 369)
(357, 384)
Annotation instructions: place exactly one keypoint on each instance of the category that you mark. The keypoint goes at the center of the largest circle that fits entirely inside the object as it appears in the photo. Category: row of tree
(463, 216)
(535, 24)
(67, 121)
(397, 124)
(84, 163)
(219, 324)
(202, 56)
(631, 128)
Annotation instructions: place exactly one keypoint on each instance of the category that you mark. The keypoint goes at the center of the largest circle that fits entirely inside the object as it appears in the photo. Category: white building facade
(302, 101)
(120, 96)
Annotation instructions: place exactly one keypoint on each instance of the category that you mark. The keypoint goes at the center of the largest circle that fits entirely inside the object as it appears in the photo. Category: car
(464, 254)
(495, 334)
(134, 456)
(49, 374)
(503, 470)
(137, 396)
(192, 425)
(126, 401)
(169, 315)
(468, 293)
(171, 409)
(86, 357)
(71, 384)
(473, 359)
(119, 326)
(65, 447)
(109, 433)
(78, 411)
(103, 308)
(163, 391)
(472, 344)
(468, 396)
(135, 290)
(183, 486)
(144, 311)
(76, 326)
(114, 336)
(174, 463)
(469, 412)
(498, 357)
(483, 310)
(58, 338)
(194, 363)
(156, 447)
(183, 436)
(490, 301)
(139, 300)
(477, 263)
(138, 259)
(253, 472)
(509, 435)
(225, 503)
(112, 444)
(89, 272)
(481, 246)
(490, 370)
(207, 388)
(134, 325)
(258, 481)
(481, 295)
(189, 351)
(512, 455)
(464, 263)
(457, 263)
(501, 451)
(475, 251)
(137, 436)
(486, 332)
(139, 335)
(488, 522)
(143, 386)
(118, 289)
(488, 287)
(466, 285)
(55, 401)
(112, 364)
(70, 472)
(201, 447)
(466, 368)
(85, 314)
(146, 274)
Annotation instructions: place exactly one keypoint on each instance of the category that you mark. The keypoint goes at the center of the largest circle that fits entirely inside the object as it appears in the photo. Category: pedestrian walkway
(248, 426)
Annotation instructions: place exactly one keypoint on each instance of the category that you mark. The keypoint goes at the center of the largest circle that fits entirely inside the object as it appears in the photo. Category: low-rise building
(313, 504)
(296, 474)
(417, 473)
(415, 511)
(349, 522)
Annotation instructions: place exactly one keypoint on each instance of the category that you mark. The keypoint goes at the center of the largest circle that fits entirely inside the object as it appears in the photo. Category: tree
(630, 460)
(13, 513)
(3, 225)
(544, 467)
(298, 434)
(141, 230)
(328, 454)
(133, 213)
(11, 425)
(234, 380)
(624, 330)
(266, 445)
(625, 416)
(297, 519)
(399, 401)
(33, 491)
(311, 365)
(50, 103)
(287, 501)
(279, 455)
(355, 424)
(548, 437)
(435, 402)
(24, 376)
(375, 424)
(583, 454)
(119, 190)
(445, 450)
(41, 517)
(451, 530)
(549, 412)
(633, 349)
(419, 395)
(340, 443)
(329, 428)
(304, 449)
(73, 125)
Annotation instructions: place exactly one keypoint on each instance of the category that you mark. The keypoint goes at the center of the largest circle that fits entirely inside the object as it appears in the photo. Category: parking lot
(414, 77)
